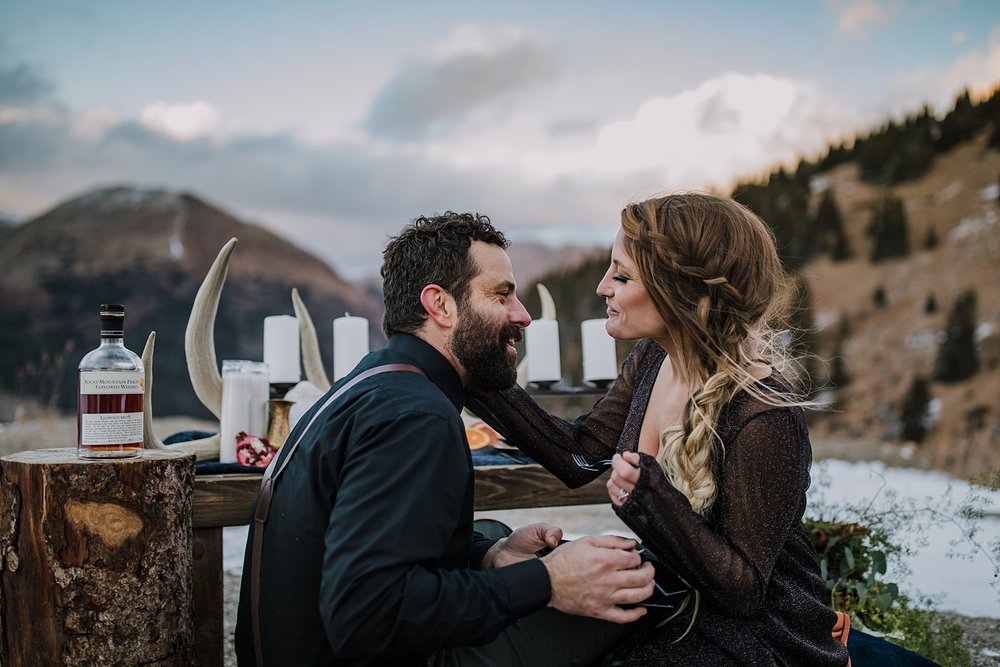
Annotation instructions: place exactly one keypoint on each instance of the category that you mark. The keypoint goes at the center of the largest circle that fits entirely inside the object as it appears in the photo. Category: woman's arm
(762, 498)
(550, 440)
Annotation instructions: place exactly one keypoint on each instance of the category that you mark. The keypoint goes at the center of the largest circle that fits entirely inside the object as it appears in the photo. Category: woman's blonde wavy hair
(712, 270)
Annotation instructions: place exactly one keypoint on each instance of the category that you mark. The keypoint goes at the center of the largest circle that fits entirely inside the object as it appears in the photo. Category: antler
(548, 305)
(204, 448)
(312, 361)
(149, 439)
(199, 337)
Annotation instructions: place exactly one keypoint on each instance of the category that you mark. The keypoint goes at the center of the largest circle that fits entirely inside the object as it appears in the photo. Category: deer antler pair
(199, 349)
(203, 366)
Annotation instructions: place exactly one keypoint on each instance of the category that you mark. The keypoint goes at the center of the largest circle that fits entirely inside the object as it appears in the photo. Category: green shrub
(853, 560)
(933, 635)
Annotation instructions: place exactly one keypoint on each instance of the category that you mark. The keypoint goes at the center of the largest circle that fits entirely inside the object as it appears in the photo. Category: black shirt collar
(438, 369)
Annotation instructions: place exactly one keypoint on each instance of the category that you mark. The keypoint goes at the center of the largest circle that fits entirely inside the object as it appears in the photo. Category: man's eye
(620, 278)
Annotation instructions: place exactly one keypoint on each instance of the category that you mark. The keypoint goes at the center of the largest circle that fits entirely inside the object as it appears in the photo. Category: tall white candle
(244, 404)
(281, 349)
(350, 344)
(600, 362)
(541, 342)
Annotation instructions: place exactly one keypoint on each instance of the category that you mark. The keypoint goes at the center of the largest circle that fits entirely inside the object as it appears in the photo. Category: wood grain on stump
(96, 559)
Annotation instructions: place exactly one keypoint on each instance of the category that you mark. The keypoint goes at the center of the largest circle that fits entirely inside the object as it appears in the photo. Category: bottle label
(110, 429)
(111, 382)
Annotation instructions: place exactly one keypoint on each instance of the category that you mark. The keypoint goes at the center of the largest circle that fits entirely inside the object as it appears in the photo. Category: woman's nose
(604, 287)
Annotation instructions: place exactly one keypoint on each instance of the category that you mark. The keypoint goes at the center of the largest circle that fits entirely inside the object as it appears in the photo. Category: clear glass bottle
(110, 389)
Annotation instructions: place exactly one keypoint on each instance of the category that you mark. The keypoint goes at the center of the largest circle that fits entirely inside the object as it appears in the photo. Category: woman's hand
(522, 545)
(624, 477)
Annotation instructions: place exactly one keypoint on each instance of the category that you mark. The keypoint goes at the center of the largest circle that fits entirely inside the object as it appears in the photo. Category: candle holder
(277, 430)
(545, 385)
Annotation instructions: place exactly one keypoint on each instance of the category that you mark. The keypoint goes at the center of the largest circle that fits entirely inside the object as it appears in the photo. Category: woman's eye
(620, 278)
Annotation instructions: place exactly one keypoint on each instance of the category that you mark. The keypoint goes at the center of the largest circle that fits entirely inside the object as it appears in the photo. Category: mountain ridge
(150, 250)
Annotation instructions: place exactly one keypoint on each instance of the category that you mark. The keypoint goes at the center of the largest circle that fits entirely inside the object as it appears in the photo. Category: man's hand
(522, 545)
(593, 575)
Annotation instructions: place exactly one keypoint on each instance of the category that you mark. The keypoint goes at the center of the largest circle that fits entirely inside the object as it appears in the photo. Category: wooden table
(226, 500)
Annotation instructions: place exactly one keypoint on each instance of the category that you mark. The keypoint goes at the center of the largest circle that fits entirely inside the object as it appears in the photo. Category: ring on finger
(622, 494)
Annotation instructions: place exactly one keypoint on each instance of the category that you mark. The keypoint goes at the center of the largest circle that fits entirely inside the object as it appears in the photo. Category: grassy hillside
(885, 319)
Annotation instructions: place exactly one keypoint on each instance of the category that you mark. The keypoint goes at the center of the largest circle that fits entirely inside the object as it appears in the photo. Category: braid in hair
(712, 271)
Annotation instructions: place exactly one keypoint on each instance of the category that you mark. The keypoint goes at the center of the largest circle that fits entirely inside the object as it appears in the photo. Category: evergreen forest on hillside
(806, 212)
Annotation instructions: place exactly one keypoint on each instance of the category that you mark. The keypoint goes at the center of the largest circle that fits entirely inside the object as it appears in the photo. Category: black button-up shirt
(369, 555)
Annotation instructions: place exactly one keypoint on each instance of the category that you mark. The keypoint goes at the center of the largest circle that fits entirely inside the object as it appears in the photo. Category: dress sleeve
(730, 557)
(549, 439)
(401, 494)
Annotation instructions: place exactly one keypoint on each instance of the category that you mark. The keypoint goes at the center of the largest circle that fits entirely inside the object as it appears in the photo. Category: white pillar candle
(350, 344)
(541, 341)
(244, 404)
(600, 362)
(281, 349)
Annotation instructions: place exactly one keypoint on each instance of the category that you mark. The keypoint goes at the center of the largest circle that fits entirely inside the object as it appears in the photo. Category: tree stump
(96, 559)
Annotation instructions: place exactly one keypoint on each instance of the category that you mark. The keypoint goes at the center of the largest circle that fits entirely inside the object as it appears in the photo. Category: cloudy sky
(335, 122)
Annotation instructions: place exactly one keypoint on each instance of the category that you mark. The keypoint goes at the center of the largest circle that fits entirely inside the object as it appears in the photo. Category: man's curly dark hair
(431, 250)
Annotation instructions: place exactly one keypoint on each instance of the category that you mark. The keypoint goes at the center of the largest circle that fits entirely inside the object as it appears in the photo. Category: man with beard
(368, 555)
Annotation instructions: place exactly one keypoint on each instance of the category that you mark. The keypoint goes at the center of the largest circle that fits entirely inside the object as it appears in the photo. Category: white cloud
(181, 120)
(472, 68)
(729, 127)
(93, 123)
(978, 70)
(486, 41)
(938, 85)
(856, 17)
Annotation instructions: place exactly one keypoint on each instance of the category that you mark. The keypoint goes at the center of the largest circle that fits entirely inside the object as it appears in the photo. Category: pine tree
(803, 327)
(879, 298)
(930, 304)
(839, 377)
(914, 411)
(888, 229)
(930, 239)
(957, 358)
(960, 124)
(829, 228)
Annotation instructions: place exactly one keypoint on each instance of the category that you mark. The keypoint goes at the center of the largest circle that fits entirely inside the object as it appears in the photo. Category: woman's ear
(439, 304)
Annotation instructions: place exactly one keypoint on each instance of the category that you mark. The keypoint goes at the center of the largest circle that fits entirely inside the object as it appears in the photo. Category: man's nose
(519, 314)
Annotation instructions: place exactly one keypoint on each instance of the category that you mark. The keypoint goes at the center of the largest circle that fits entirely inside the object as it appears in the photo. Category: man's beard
(482, 350)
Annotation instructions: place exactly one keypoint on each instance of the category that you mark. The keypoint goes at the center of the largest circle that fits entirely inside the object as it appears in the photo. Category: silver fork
(583, 464)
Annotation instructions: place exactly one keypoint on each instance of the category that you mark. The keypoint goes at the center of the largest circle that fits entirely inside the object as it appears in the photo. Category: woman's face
(631, 313)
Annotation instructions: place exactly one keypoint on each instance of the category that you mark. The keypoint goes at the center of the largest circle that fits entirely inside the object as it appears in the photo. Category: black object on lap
(669, 589)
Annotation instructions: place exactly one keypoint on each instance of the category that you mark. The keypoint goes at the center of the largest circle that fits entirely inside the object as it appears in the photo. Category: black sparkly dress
(762, 601)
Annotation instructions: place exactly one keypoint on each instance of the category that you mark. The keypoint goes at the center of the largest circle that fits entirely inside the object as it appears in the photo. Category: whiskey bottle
(111, 379)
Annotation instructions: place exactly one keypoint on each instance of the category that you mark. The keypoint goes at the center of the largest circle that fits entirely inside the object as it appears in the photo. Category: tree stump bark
(96, 559)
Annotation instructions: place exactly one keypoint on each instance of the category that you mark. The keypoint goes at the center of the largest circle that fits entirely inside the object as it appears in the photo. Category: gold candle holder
(277, 430)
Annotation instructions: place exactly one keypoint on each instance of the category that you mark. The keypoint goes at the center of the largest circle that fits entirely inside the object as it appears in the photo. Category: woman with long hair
(709, 449)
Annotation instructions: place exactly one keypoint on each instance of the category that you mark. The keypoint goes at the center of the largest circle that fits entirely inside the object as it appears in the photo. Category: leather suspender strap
(267, 491)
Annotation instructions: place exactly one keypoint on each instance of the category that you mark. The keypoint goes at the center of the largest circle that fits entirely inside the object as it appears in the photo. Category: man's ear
(439, 304)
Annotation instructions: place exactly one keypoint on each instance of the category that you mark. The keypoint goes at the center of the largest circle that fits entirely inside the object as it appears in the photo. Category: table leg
(208, 597)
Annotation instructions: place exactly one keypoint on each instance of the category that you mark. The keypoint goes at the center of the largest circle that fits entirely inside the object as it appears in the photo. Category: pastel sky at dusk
(334, 123)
